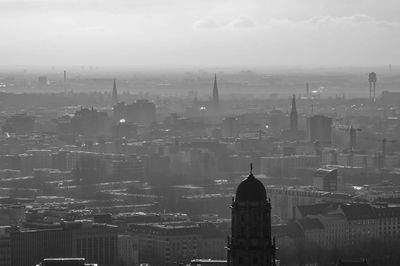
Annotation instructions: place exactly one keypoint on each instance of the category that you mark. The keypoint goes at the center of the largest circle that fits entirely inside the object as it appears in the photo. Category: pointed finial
(251, 168)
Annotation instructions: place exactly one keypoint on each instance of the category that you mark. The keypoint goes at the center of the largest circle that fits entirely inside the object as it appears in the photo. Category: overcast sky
(199, 32)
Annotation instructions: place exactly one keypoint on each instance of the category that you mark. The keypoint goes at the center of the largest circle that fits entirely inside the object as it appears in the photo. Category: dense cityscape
(199, 133)
(123, 176)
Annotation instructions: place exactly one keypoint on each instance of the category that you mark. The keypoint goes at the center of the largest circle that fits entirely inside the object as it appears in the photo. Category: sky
(173, 33)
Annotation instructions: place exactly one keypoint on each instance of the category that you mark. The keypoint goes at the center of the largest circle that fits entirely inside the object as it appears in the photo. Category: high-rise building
(251, 242)
(319, 128)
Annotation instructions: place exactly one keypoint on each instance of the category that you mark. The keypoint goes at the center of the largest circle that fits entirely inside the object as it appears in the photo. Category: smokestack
(65, 75)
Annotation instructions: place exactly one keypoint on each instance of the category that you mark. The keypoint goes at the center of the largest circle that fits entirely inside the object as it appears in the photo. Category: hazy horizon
(196, 33)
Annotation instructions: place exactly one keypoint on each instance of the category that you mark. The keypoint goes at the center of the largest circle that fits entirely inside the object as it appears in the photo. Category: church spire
(294, 109)
(114, 92)
(215, 97)
(293, 115)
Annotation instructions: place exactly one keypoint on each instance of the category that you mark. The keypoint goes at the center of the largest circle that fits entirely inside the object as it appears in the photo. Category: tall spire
(114, 92)
(215, 97)
(293, 115)
(294, 109)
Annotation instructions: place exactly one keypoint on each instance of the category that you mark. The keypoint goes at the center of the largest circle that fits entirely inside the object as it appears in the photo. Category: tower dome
(251, 189)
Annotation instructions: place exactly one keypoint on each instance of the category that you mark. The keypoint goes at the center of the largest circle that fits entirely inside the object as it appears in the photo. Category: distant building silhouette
(65, 262)
(140, 112)
(293, 133)
(19, 124)
(115, 93)
(326, 179)
(352, 263)
(251, 242)
(372, 85)
(293, 115)
(208, 108)
(91, 122)
(43, 81)
(81, 239)
(215, 98)
(319, 128)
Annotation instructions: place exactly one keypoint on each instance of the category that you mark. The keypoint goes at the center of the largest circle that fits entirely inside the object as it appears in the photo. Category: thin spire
(251, 168)
(215, 97)
(114, 92)
(293, 115)
(294, 109)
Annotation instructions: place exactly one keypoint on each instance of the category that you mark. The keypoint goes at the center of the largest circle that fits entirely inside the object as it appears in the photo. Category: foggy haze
(199, 33)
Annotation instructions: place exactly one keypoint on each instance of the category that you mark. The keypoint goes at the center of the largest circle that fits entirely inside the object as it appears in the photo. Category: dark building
(276, 121)
(65, 262)
(19, 124)
(42, 80)
(319, 128)
(124, 130)
(91, 122)
(352, 263)
(95, 242)
(141, 112)
(251, 243)
(326, 179)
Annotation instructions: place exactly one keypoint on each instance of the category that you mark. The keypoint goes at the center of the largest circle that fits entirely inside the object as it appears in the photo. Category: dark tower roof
(251, 189)
(215, 91)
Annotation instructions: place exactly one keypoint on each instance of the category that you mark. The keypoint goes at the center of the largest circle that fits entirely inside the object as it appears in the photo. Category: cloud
(243, 22)
(205, 24)
(355, 20)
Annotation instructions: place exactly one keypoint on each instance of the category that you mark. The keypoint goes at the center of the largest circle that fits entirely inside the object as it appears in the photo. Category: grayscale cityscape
(199, 133)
